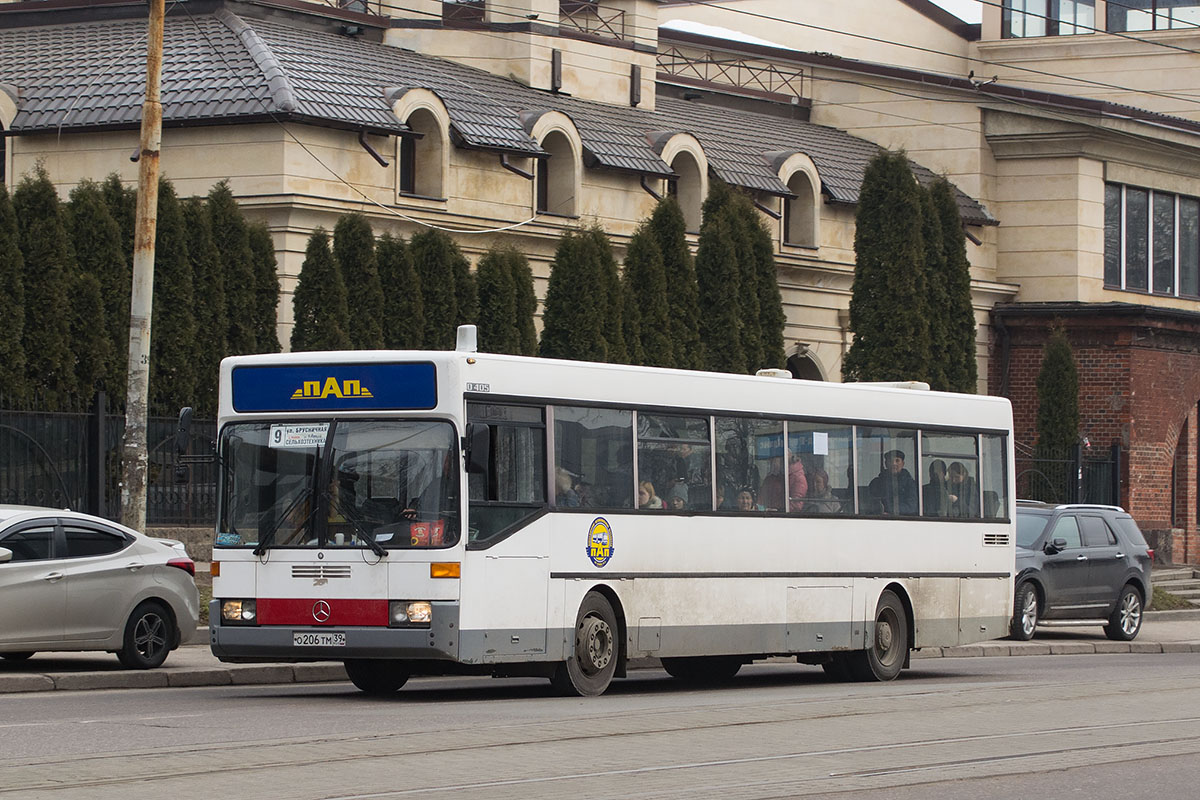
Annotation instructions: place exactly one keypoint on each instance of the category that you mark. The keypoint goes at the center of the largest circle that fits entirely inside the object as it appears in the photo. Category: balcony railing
(589, 18)
(708, 67)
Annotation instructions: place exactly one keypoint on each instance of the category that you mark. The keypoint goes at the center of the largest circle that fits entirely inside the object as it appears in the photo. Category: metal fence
(1073, 475)
(73, 460)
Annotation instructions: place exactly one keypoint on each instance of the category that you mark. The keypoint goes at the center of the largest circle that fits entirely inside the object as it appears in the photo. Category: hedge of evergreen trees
(911, 307)
(65, 277)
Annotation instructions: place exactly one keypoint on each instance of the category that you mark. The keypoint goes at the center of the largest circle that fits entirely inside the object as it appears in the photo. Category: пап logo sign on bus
(316, 390)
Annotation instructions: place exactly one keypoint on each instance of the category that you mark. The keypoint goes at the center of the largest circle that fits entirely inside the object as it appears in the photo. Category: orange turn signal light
(449, 569)
(214, 569)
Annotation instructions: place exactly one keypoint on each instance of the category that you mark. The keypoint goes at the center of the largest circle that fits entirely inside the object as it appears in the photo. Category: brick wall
(1139, 384)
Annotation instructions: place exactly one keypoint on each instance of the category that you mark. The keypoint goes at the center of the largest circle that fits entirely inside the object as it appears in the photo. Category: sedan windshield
(354, 483)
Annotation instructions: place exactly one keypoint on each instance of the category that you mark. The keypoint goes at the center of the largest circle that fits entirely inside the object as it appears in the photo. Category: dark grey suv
(1078, 562)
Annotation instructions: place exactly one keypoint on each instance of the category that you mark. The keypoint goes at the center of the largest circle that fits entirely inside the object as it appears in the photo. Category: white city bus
(456, 512)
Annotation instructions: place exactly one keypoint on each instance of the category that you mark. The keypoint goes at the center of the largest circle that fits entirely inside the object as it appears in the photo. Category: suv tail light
(1150, 552)
(185, 564)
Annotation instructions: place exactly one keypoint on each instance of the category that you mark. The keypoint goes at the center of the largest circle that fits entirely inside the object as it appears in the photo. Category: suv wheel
(1025, 613)
(1126, 619)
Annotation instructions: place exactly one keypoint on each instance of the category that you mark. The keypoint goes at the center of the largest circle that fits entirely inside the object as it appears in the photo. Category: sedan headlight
(410, 613)
(239, 612)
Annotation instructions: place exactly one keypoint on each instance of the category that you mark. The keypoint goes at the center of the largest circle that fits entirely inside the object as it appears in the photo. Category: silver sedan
(71, 581)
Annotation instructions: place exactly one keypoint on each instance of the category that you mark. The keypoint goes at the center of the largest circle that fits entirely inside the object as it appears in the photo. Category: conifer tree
(571, 318)
(49, 268)
(1058, 397)
(90, 346)
(173, 324)
(208, 285)
(611, 297)
(498, 322)
(237, 261)
(266, 288)
(962, 369)
(937, 297)
(646, 278)
(631, 323)
(435, 256)
(888, 306)
(771, 318)
(354, 251)
(12, 303)
(404, 308)
(466, 291)
(720, 313)
(669, 230)
(526, 300)
(122, 204)
(97, 238)
(319, 303)
(724, 200)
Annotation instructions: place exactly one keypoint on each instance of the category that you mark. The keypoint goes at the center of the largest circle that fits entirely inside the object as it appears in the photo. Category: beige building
(1070, 129)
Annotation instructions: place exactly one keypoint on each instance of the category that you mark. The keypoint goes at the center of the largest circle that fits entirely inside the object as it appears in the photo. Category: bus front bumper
(290, 643)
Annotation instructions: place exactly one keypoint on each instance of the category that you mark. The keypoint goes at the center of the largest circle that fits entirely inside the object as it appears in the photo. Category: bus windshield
(330, 483)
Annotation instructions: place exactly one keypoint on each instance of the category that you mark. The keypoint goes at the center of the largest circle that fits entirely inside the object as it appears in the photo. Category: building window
(556, 176)
(799, 213)
(1151, 241)
(1024, 18)
(687, 188)
(422, 156)
(1153, 15)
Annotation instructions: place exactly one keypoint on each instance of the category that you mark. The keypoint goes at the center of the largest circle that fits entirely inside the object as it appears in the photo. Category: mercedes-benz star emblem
(321, 611)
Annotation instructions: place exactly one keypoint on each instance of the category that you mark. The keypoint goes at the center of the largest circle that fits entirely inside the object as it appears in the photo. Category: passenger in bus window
(820, 498)
(564, 492)
(964, 493)
(936, 494)
(771, 491)
(798, 485)
(894, 490)
(746, 501)
(677, 498)
(647, 498)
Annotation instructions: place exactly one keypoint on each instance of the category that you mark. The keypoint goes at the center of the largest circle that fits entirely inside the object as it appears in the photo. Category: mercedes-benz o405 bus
(456, 512)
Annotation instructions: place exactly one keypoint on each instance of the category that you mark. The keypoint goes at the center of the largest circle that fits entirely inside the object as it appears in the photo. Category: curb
(330, 672)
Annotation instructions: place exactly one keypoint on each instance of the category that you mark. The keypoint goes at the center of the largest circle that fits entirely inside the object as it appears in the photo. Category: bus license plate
(318, 639)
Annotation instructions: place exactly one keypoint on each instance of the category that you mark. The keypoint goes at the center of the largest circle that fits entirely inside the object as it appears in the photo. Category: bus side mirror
(478, 445)
(183, 435)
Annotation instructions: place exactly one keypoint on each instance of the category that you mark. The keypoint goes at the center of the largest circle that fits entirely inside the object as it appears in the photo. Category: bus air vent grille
(997, 539)
(310, 571)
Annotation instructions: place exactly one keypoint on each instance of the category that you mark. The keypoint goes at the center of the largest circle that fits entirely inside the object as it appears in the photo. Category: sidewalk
(195, 665)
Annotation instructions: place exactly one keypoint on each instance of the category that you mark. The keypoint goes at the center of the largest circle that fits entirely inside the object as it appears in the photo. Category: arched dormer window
(557, 174)
(423, 158)
(802, 211)
(8, 111)
(683, 153)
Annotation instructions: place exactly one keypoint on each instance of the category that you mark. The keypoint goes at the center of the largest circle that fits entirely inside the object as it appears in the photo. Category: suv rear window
(1131, 530)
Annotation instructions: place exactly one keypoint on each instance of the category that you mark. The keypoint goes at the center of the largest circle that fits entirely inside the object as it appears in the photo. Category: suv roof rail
(1090, 505)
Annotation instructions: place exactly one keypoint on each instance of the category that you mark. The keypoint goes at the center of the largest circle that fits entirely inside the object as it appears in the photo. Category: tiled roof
(221, 66)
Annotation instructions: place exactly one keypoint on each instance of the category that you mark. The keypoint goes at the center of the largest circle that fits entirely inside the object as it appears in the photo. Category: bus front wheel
(376, 676)
(884, 656)
(588, 671)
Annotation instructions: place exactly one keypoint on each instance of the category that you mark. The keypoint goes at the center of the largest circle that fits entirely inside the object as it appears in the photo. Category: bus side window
(593, 458)
(993, 476)
(514, 487)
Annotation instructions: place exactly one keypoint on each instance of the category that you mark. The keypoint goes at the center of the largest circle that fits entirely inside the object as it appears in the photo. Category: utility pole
(135, 459)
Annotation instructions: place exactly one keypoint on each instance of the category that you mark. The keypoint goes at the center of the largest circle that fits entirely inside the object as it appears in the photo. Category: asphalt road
(1100, 726)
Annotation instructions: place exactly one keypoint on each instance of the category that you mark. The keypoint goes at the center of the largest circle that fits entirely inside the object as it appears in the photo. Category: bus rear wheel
(376, 676)
(702, 669)
(589, 670)
(884, 656)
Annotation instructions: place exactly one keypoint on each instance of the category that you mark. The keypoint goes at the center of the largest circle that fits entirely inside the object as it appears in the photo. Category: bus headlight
(239, 612)
(410, 613)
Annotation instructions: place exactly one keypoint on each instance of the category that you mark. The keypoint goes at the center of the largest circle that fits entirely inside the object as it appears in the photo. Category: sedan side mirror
(5, 554)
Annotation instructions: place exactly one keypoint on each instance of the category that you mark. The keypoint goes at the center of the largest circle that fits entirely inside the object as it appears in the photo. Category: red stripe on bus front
(309, 611)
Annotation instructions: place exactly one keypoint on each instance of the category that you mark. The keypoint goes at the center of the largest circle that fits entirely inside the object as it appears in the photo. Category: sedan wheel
(149, 635)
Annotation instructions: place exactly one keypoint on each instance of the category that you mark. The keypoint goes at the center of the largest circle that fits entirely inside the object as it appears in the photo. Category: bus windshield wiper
(347, 511)
(269, 536)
